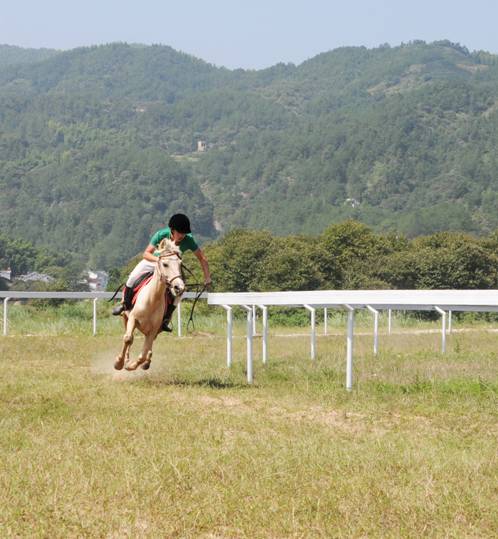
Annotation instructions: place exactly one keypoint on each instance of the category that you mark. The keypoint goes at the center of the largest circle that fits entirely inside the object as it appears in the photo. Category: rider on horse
(178, 230)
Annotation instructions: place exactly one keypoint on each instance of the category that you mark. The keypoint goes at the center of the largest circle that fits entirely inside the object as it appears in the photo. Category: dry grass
(188, 450)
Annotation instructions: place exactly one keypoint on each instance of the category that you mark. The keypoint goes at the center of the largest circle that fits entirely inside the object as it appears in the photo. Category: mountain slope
(97, 145)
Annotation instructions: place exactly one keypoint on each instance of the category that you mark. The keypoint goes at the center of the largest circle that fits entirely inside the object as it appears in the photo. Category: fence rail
(442, 301)
(95, 296)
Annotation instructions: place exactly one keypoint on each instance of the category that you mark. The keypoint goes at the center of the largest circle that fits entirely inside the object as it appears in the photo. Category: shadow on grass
(212, 383)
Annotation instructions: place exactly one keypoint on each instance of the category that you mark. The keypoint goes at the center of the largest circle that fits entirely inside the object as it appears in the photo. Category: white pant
(144, 266)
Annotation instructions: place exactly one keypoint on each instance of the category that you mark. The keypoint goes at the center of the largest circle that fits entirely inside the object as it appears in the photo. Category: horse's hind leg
(127, 342)
(146, 356)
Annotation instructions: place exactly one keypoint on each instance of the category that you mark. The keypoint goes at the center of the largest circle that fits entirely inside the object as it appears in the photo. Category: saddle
(139, 284)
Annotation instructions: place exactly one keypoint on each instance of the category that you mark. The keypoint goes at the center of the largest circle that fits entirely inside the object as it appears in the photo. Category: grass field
(187, 449)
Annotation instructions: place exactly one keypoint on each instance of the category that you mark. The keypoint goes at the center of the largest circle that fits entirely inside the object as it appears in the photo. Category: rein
(191, 318)
(184, 267)
(196, 299)
(118, 289)
(182, 275)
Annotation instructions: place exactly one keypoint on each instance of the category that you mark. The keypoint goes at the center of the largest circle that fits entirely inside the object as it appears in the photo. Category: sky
(253, 34)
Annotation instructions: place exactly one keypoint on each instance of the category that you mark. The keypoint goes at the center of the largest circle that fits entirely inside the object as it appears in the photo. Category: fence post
(5, 315)
(249, 344)
(95, 316)
(376, 328)
(349, 349)
(312, 310)
(443, 330)
(264, 308)
(228, 309)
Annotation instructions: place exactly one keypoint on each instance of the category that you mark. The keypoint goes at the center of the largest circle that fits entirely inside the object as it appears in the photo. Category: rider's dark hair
(180, 223)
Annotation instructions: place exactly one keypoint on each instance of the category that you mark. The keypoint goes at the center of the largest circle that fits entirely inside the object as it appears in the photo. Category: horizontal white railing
(441, 301)
(8, 295)
(417, 300)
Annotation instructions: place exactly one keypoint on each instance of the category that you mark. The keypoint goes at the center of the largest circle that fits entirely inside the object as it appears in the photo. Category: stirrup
(166, 326)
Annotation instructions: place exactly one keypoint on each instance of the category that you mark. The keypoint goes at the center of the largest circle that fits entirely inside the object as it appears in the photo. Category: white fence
(441, 301)
(95, 296)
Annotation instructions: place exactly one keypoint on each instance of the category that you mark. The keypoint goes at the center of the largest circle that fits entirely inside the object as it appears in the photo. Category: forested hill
(98, 145)
(10, 54)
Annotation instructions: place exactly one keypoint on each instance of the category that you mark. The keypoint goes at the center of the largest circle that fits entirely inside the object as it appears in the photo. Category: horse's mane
(168, 246)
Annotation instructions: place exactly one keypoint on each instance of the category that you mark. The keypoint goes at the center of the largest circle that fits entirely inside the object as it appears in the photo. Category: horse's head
(169, 264)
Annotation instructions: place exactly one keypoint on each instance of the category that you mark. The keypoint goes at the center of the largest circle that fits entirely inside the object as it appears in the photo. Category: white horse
(148, 311)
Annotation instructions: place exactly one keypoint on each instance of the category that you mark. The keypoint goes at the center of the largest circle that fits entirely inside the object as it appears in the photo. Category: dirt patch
(229, 402)
(103, 363)
(345, 421)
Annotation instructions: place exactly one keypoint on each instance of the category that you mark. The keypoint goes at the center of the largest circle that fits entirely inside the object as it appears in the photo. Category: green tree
(236, 261)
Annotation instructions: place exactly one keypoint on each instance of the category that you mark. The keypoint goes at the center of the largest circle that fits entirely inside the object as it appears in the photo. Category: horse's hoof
(131, 367)
(146, 365)
(118, 364)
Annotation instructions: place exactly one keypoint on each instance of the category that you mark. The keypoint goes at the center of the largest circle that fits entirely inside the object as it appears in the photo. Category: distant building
(6, 274)
(35, 276)
(97, 280)
(201, 146)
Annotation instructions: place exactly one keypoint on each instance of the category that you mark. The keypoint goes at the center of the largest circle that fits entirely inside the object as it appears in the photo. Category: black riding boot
(125, 304)
(167, 318)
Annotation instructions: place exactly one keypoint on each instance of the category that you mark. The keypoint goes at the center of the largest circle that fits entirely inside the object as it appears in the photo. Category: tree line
(348, 255)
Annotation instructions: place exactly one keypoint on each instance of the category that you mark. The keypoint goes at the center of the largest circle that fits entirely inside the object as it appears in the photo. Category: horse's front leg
(127, 342)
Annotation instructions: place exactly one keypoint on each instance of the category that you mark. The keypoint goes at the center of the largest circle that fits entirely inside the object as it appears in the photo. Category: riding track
(187, 449)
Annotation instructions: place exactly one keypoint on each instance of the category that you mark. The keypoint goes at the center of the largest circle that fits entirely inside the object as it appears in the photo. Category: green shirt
(188, 242)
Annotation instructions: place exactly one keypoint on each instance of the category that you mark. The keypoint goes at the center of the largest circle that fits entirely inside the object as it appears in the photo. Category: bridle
(162, 277)
(182, 276)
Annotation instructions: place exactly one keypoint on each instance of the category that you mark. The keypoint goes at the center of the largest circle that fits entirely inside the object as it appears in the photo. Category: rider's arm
(204, 265)
(149, 253)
